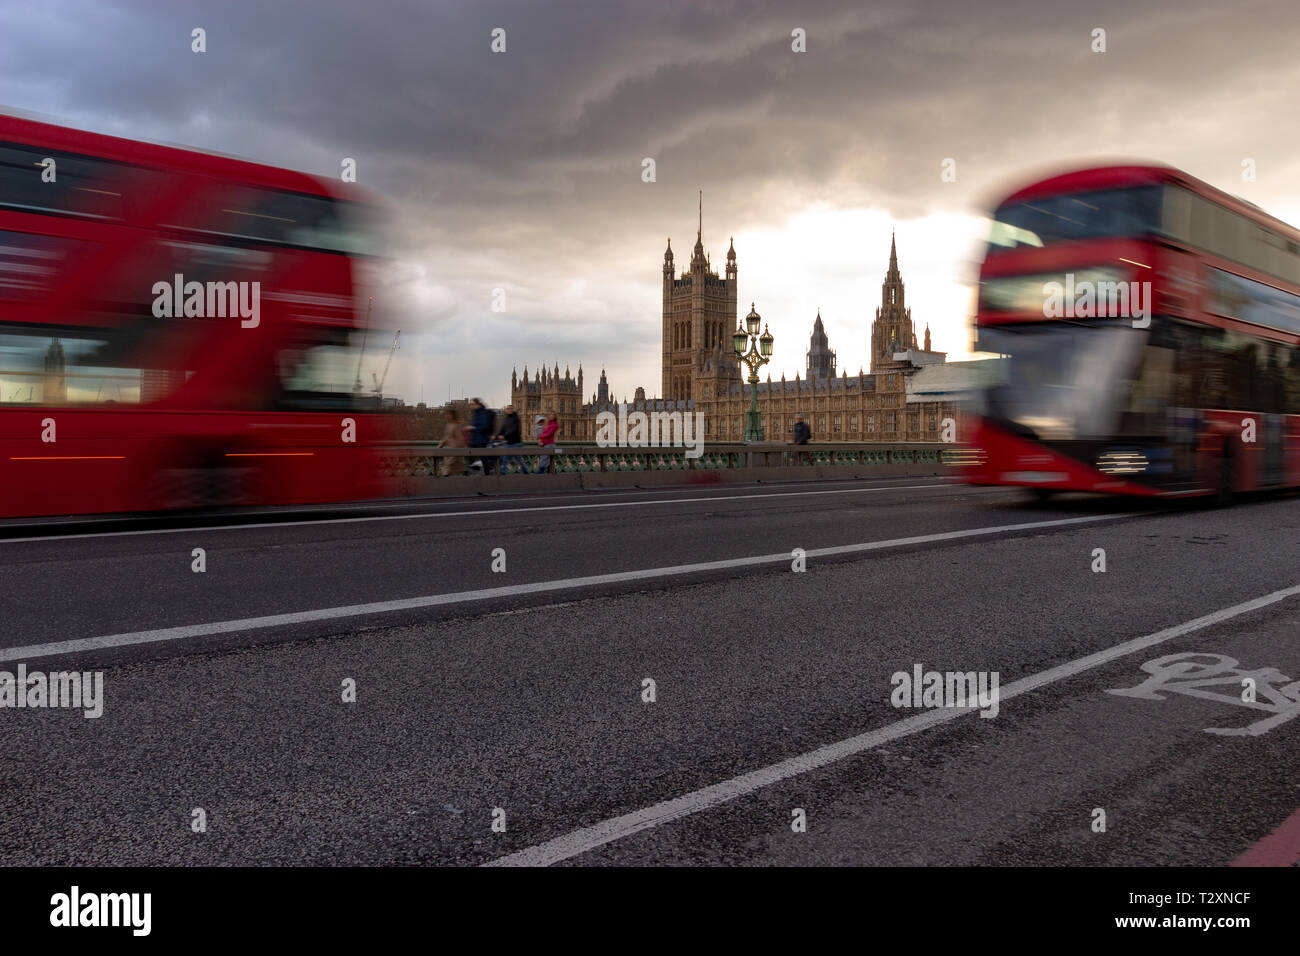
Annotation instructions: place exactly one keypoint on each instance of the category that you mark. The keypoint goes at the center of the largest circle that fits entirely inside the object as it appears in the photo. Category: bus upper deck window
(77, 185)
(1009, 236)
(295, 219)
(1131, 211)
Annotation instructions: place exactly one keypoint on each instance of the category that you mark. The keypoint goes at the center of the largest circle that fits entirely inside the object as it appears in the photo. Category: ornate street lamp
(760, 352)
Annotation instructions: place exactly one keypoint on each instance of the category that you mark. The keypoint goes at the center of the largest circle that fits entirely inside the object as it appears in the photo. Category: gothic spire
(698, 261)
(821, 360)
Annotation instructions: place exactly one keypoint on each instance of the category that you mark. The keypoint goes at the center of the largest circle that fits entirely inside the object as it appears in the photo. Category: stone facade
(548, 391)
(701, 372)
(821, 358)
(699, 315)
(859, 408)
(893, 331)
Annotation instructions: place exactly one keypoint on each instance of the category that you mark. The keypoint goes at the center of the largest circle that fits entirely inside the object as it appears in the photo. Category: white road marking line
(607, 831)
(460, 514)
(881, 485)
(539, 587)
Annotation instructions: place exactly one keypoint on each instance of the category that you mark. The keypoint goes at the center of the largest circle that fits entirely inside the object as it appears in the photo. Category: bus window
(38, 367)
(1207, 223)
(1197, 221)
(319, 371)
(1050, 219)
(1154, 386)
(1222, 232)
(30, 264)
(80, 186)
(1273, 379)
(1176, 213)
(1291, 377)
(1244, 390)
(1064, 380)
(1235, 237)
(296, 219)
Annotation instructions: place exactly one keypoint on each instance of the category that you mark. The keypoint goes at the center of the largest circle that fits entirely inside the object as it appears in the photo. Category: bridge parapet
(415, 467)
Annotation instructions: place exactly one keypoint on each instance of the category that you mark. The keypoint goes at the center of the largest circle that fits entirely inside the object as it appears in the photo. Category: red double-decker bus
(177, 329)
(1149, 326)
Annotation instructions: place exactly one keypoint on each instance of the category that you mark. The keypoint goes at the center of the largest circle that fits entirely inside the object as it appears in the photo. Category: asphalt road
(527, 705)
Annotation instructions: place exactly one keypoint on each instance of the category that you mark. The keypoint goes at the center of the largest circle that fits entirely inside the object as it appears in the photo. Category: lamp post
(760, 352)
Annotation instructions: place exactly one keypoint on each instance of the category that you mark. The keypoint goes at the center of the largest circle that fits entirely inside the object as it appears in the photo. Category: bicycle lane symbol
(1194, 673)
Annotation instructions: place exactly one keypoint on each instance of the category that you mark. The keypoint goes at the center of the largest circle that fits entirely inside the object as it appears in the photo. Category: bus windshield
(1133, 211)
(1063, 380)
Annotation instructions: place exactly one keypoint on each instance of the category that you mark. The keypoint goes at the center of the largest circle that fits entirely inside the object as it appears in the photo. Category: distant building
(893, 336)
(867, 407)
(55, 381)
(821, 360)
(425, 423)
(905, 397)
(699, 315)
(549, 391)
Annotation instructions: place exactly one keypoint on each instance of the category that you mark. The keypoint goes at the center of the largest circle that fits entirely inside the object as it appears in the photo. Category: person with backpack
(480, 423)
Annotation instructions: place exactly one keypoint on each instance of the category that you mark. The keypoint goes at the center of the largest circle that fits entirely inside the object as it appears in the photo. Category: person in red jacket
(546, 439)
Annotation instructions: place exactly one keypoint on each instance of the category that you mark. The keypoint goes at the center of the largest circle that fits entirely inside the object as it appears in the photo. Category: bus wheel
(1042, 495)
(176, 489)
(1226, 490)
(241, 486)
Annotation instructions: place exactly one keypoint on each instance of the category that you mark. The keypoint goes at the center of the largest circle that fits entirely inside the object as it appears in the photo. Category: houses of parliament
(904, 396)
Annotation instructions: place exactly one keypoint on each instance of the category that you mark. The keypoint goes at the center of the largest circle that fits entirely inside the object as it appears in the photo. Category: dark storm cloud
(522, 170)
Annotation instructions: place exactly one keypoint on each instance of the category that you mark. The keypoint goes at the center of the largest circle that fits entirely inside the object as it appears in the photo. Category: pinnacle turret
(892, 330)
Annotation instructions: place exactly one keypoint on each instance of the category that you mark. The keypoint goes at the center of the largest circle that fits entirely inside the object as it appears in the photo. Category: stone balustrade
(417, 465)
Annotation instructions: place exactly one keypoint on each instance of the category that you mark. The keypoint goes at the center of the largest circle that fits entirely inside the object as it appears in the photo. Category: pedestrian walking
(802, 433)
(480, 423)
(546, 439)
(509, 434)
(453, 436)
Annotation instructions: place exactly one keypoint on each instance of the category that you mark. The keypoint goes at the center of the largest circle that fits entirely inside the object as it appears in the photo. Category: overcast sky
(523, 170)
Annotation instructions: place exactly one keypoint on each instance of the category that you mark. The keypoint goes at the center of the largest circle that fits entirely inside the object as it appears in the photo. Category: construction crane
(381, 379)
(365, 330)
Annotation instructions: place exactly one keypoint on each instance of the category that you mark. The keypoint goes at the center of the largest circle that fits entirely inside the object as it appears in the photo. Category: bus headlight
(967, 456)
(1122, 463)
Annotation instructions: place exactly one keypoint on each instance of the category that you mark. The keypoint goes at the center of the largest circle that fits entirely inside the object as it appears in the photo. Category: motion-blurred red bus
(177, 329)
(1180, 377)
